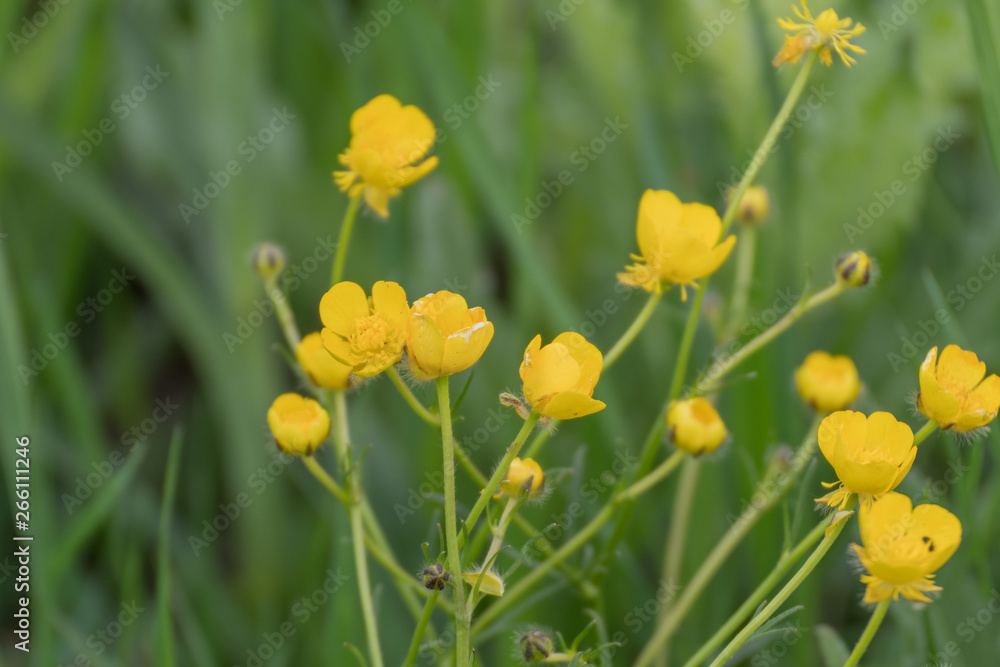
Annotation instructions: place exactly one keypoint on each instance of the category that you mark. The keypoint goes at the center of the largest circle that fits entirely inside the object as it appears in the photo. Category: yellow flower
(524, 477)
(387, 142)
(755, 205)
(695, 426)
(904, 546)
(445, 336)
(953, 391)
(824, 32)
(854, 269)
(299, 424)
(559, 378)
(319, 365)
(677, 242)
(871, 455)
(827, 383)
(366, 334)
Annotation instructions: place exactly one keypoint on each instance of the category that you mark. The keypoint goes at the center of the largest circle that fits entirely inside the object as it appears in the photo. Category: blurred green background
(114, 116)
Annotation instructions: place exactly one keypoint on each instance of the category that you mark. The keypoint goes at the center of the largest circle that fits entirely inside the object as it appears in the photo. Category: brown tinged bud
(536, 646)
(435, 577)
(854, 269)
(268, 260)
(755, 205)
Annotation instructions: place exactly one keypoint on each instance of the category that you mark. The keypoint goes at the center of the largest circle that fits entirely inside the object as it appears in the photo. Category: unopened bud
(854, 269)
(435, 577)
(268, 260)
(755, 205)
(512, 401)
(536, 646)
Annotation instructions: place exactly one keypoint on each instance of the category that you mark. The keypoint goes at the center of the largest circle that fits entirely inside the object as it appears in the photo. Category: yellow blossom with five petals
(678, 243)
(388, 142)
(559, 378)
(823, 32)
(953, 391)
(366, 334)
(871, 455)
(299, 424)
(903, 547)
(445, 336)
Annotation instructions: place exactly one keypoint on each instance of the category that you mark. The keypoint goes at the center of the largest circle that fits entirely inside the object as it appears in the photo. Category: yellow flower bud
(367, 335)
(319, 365)
(536, 646)
(268, 260)
(299, 424)
(903, 547)
(445, 335)
(854, 269)
(695, 426)
(679, 243)
(871, 455)
(524, 477)
(755, 205)
(559, 379)
(388, 142)
(827, 383)
(954, 392)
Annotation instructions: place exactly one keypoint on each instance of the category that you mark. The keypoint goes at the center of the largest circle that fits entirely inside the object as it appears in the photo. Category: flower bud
(299, 424)
(854, 269)
(268, 260)
(524, 477)
(435, 577)
(512, 401)
(826, 382)
(755, 205)
(695, 426)
(536, 646)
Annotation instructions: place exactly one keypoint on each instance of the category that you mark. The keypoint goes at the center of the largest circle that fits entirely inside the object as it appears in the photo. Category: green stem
(285, 316)
(785, 562)
(501, 470)
(768, 492)
(745, 255)
(341, 441)
(924, 432)
(501, 529)
(324, 478)
(788, 589)
(658, 474)
(866, 637)
(462, 619)
(345, 239)
(412, 400)
(630, 334)
(411, 655)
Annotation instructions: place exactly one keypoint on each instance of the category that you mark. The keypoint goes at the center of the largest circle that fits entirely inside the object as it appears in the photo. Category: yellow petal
(319, 365)
(529, 355)
(371, 114)
(658, 210)
(340, 349)
(490, 584)
(463, 348)
(831, 428)
(569, 405)
(409, 175)
(871, 478)
(981, 405)
(934, 400)
(588, 358)
(378, 200)
(424, 347)
(958, 370)
(389, 301)
(341, 305)
(553, 370)
(891, 438)
(881, 522)
(702, 221)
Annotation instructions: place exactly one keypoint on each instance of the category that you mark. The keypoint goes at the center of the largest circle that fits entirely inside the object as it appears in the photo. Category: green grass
(163, 337)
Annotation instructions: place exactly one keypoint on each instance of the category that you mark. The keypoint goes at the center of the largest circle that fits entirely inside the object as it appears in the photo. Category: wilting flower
(953, 391)
(854, 269)
(677, 243)
(695, 426)
(871, 455)
(826, 382)
(524, 477)
(445, 336)
(388, 141)
(559, 379)
(299, 424)
(824, 32)
(904, 546)
(319, 365)
(366, 334)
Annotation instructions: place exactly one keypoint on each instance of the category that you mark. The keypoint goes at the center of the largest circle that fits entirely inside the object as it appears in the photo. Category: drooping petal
(569, 405)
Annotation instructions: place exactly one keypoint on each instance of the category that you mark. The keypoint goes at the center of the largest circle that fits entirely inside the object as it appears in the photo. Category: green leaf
(832, 648)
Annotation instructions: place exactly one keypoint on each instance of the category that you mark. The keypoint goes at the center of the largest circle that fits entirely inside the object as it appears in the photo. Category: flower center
(369, 334)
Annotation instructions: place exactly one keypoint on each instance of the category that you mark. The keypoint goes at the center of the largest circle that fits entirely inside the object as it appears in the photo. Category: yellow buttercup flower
(953, 391)
(299, 424)
(559, 379)
(366, 334)
(826, 382)
(677, 242)
(871, 455)
(445, 336)
(388, 141)
(903, 547)
(695, 426)
(824, 32)
(524, 477)
(319, 365)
